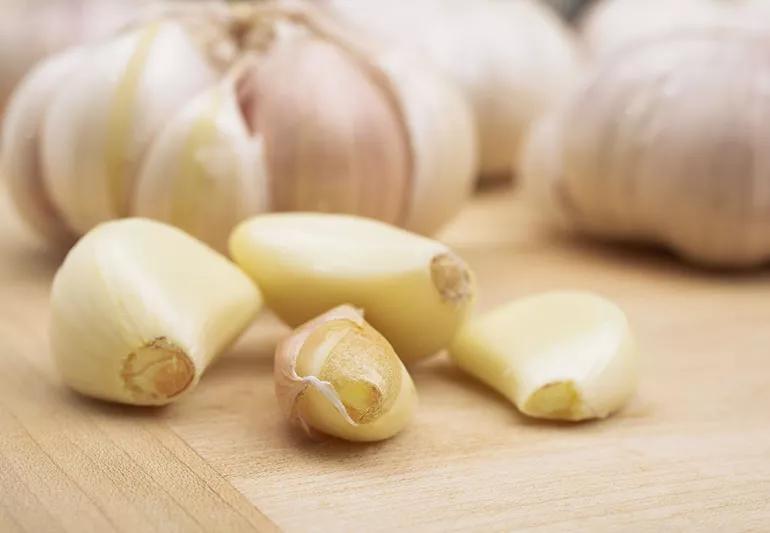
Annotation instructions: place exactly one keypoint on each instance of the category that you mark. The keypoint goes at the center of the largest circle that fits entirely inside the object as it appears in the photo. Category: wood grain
(691, 452)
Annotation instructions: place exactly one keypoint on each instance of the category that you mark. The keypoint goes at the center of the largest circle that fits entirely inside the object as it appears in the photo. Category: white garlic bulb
(201, 121)
(511, 59)
(612, 24)
(667, 143)
(31, 30)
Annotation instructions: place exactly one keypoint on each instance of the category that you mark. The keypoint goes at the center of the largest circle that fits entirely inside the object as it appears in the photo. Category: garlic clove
(560, 355)
(442, 137)
(414, 290)
(20, 161)
(338, 147)
(336, 375)
(103, 119)
(139, 310)
(205, 172)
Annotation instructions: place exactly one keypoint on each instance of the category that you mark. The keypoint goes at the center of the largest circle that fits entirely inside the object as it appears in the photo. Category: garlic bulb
(512, 60)
(612, 24)
(667, 143)
(215, 112)
(31, 30)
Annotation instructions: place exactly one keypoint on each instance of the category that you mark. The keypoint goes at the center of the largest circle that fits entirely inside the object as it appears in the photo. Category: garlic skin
(20, 141)
(512, 60)
(559, 355)
(645, 151)
(205, 172)
(610, 25)
(102, 120)
(336, 375)
(139, 310)
(414, 290)
(30, 31)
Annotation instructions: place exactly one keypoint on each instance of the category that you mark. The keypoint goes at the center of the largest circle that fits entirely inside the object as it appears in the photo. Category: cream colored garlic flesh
(336, 375)
(139, 310)
(20, 163)
(414, 290)
(557, 355)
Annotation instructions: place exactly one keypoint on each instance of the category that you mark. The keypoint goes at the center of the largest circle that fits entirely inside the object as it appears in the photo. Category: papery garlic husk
(20, 144)
(564, 355)
(611, 25)
(336, 375)
(31, 30)
(104, 117)
(512, 60)
(139, 310)
(313, 121)
(205, 172)
(646, 151)
(414, 290)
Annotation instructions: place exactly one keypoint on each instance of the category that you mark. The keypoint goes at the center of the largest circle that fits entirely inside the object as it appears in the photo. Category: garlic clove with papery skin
(560, 355)
(20, 160)
(336, 375)
(205, 172)
(139, 310)
(414, 290)
(104, 117)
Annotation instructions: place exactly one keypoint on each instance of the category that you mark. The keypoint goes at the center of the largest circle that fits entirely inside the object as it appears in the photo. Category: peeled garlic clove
(20, 161)
(687, 165)
(558, 355)
(338, 376)
(205, 172)
(102, 120)
(139, 310)
(414, 290)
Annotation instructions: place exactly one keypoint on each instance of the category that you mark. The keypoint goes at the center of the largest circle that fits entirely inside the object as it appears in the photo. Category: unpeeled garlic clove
(20, 162)
(103, 119)
(205, 172)
(338, 148)
(414, 290)
(558, 355)
(139, 310)
(336, 375)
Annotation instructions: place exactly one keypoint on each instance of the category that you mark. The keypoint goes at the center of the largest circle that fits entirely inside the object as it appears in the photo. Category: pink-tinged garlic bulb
(336, 375)
(612, 24)
(511, 59)
(667, 143)
(205, 114)
(30, 30)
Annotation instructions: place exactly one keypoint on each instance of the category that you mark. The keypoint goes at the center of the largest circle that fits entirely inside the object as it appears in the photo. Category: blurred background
(623, 120)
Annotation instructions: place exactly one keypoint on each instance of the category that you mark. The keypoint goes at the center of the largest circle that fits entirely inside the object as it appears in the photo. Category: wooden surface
(692, 451)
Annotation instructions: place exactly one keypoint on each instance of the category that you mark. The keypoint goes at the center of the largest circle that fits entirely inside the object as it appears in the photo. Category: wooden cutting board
(692, 451)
